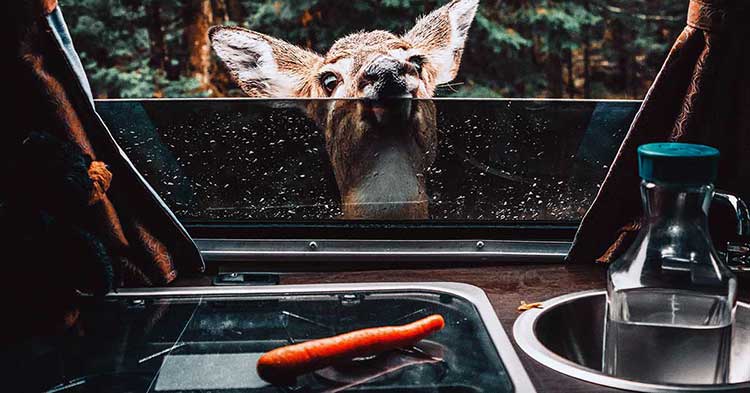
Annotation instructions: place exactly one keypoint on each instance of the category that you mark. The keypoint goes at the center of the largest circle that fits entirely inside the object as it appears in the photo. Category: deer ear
(263, 66)
(441, 35)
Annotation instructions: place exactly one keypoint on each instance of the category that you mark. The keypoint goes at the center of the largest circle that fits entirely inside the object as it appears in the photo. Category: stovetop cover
(211, 343)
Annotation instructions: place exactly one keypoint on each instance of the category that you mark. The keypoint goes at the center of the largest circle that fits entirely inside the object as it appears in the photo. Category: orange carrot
(283, 365)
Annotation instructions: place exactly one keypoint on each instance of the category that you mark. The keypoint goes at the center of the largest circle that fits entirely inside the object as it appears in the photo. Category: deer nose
(385, 78)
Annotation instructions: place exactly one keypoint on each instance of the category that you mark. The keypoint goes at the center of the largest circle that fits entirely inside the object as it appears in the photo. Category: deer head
(380, 144)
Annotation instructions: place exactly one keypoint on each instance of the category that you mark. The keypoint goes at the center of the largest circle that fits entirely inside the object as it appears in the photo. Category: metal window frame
(417, 243)
(362, 250)
(216, 245)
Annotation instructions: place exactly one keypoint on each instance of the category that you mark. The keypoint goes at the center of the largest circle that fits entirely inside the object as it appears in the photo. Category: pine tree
(517, 48)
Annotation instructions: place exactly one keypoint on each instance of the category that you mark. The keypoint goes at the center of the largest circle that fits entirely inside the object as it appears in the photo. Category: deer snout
(385, 77)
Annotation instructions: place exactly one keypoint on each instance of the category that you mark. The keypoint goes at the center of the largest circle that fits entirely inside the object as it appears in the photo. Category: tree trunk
(236, 11)
(587, 56)
(198, 16)
(157, 45)
(553, 68)
(221, 14)
(157, 42)
(571, 78)
(620, 37)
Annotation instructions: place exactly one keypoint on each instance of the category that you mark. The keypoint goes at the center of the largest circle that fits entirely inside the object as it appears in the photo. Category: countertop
(506, 286)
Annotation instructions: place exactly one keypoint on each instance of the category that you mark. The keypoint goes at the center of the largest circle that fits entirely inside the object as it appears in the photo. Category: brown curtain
(77, 215)
(701, 95)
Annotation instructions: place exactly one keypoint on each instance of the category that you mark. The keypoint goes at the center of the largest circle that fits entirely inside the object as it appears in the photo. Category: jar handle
(738, 252)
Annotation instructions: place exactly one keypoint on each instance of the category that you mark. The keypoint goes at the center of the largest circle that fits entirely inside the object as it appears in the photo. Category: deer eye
(329, 81)
(417, 61)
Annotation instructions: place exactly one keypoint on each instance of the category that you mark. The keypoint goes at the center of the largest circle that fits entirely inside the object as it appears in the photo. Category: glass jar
(670, 298)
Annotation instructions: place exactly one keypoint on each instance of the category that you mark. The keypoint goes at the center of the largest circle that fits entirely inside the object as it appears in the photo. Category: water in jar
(669, 336)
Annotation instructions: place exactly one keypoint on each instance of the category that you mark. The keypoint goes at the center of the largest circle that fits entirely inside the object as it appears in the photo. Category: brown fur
(352, 141)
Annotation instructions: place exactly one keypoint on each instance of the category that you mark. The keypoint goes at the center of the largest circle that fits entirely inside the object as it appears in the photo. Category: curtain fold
(701, 95)
(77, 214)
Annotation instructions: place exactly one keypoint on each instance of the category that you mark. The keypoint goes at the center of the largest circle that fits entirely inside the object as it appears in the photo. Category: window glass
(254, 160)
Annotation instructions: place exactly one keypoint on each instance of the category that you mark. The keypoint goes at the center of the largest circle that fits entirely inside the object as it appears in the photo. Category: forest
(603, 49)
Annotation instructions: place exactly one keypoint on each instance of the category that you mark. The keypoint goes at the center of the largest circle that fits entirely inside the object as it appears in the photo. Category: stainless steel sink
(566, 335)
(209, 339)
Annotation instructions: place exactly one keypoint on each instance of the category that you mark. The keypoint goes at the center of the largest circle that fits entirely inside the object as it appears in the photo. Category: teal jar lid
(678, 163)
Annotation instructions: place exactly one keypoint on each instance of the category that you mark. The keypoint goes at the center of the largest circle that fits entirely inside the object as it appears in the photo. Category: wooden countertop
(506, 286)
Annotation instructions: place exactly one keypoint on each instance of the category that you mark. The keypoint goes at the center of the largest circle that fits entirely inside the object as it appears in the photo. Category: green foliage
(501, 38)
(516, 48)
(114, 46)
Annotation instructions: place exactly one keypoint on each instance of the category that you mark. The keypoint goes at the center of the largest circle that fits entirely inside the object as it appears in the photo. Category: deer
(380, 128)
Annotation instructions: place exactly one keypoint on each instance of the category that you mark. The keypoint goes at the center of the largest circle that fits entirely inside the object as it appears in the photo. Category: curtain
(75, 213)
(701, 95)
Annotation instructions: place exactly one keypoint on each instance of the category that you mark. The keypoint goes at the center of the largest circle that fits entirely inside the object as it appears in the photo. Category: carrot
(284, 364)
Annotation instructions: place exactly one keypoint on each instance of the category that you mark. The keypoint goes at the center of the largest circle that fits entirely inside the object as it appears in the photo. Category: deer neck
(391, 185)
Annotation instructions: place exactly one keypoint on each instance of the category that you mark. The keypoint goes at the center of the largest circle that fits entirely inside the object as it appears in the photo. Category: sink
(567, 334)
(209, 339)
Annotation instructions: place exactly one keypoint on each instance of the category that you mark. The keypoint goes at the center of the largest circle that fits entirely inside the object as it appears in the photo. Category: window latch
(246, 278)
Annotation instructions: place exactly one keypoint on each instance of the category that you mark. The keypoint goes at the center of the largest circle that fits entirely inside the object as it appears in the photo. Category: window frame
(418, 242)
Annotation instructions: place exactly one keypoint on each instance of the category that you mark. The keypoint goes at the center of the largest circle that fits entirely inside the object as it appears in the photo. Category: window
(481, 167)
(260, 161)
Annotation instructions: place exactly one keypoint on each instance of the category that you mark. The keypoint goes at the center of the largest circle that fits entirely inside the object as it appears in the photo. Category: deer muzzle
(386, 91)
(385, 77)
(391, 112)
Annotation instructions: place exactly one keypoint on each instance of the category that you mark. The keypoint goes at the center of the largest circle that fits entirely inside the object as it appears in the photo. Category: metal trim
(523, 333)
(474, 295)
(435, 99)
(285, 250)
